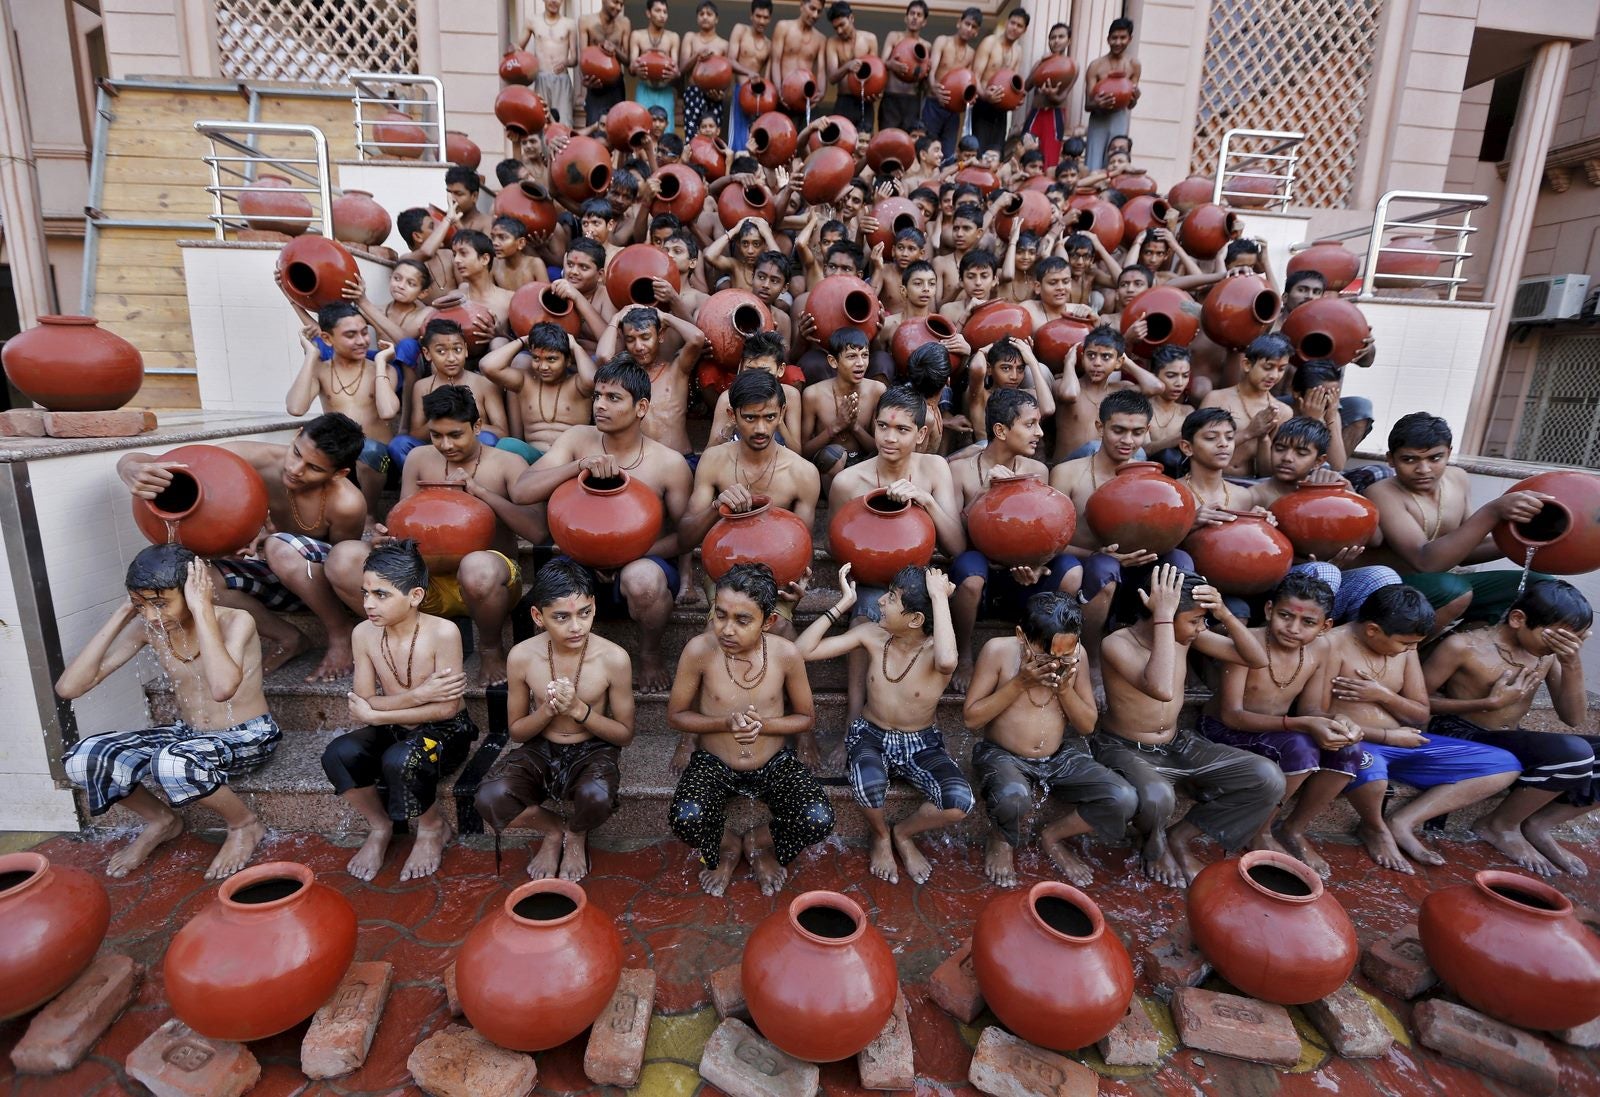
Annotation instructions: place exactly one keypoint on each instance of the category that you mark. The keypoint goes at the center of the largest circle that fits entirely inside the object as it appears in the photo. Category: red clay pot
(797, 89)
(1337, 264)
(596, 62)
(466, 312)
(1271, 929)
(913, 333)
(627, 125)
(1032, 207)
(679, 191)
(1100, 217)
(836, 129)
(69, 363)
(995, 320)
(962, 87)
(1142, 214)
(1120, 88)
(1010, 82)
(757, 97)
(269, 205)
(445, 521)
(894, 215)
(520, 110)
(653, 66)
(708, 154)
(313, 270)
(529, 203)
(1021, 521)
(1050, 968)
(262, 958)
(1245, 556)
(604, 523)
(735, 204)
(842, 301)
(397, 134)
(828, 171)
(1510, 946)
(556, 131)
(765, 534)
(519, 67)
(728, 318)
(541, 968)
(216, 502)
(1328, 327)
(1192, 193)
(1040, 183)
(909, 60)
(358, 219)
(891, 150)
(818, 977)
(1238, 309)
(437, 215)
(1139, 508)
(461, 149)
(714, 379)
(982, 178)
(1170, 315)
(713, 72)
(1399, 263)
(582, 170)
(1250, 191)
(1206, 230)
(1134, 185)
(1057, 68)
(869, 80)
(1321, 519)
(878, 536)
(773, 139)
(1565, 534)
(1052, 342)
(55, 918)
(535, 303)
(629, 275)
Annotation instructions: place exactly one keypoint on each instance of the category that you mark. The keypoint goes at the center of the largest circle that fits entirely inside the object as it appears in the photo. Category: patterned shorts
(256, 578)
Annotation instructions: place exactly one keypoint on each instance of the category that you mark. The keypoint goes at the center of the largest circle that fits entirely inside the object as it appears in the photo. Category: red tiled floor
(669, 926)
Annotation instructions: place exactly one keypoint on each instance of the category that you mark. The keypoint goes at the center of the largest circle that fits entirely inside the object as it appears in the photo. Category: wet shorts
(253, 576)
(444, 597)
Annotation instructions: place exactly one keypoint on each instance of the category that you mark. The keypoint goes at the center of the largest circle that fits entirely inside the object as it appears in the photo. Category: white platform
(396, 186)
(1427, 360)
(1280, 230)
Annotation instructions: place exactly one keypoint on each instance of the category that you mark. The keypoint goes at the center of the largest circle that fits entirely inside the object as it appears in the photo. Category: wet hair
(1125, 402)
(1167, 353)
(744, 164)
(914, 235)
(690, 244)
(754, 386)
(1004, 407)
(979, 259)
(1306, 587)
(927, 194)
(1397, 610)
(1554, 602)
(911, 583)
(472, 238)
(1304, 429)
(1241, 246)
(585, 246)
(916, 266)
(548, 335)
(420, 267)
(641, 318)
(851, 252)
(1049, 265)
(159, 567)
(755, 582)
(763, 344)
(777, 259)
(598, 207)
(657, 113)
(1079, 241)
(670, 144)
(923, 4)
(1027, 241)
(838, 10)
(1186, 600)
(411, 221)
(760, 5)
(338, 436)
(399, 563)
(859, 185)
(1105, 336)
(666, 221)
(626, 179)
(1049, 615)
(928, 369)
(1073, 148)
(846, 337)
(561, 578)
(328, 316)
(1004, 349)
(1419, 430)
(904, 398)
(972, 15)
(1300, 276)
(623, 370)
(454, 402)
(1032, 156)
(510, 225)
(1197, 421)
(1318, 371)
(1139, 268)
(467, 177)
(439, 327)
(968, 211)
(924, 143)
(509, 171)
(832, 227)
(969, 143)
(1274, 344)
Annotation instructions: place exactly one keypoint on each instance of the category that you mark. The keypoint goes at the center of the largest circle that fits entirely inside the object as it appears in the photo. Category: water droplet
(172, 529)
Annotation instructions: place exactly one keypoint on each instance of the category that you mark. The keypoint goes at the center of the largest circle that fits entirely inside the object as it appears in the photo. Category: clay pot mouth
(534, 191)
(759, 504)
(969, 93)
(599, 177)
(828, 918)
(1523, 893)
(667, 187)
(1265, 306)
(604, 485)
(1158, 327)
(1085, 221)
(1280, 877)
(1229, 223)
(755, 196)
(878, 502)
(758, 88)
(747, 320)
(1140, 466)
(20, 871)
(761, 138)
(940, 328)
(1016, 84)
(1065, 913)
(858, 306)
(302, 277)
(1318, 489)
(642, 291)
(454, 485)
(266, 887)
(545, 903)
(830, 133)
(890, 164)
(553, 303)
(61, 320)
(1552, 523)
(1315, 344)
(1159, 209)
(810, 88)
(179, 498)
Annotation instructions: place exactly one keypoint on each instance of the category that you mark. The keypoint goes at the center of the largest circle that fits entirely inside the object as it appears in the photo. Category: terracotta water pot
(982, 178)
(1250, 190)
(216, 502)
(629, 276)
(541, 968)
(1011, 94)
(909, 60)
(843, 301)
(877, 536)
(764, 534)
(519, 67)
(828, 171)
(1170, 315)
(653, 65)
(1032, 207)
(358, 219)
(627, 125)
(836, 129)
(1052, 342)
(1191, 193)
(536, 303)
(1040, 183)
(1245, 556)
(1021, 521)
(396, 133)
(1139, 508)
(894, 215)
(556, 131)
(270, 205)
(1120, 88)
(710, 155)
(529, 203)
(1565, 534)
(463, 310)
(757, 97)
(520, 110)
(1511, 946)
(869, 79)
(1400, 262)
(773, 138)
(1206, 230)
(445, 521)
(797, 89)
(913, 333)
(1271, 929)
(995, 320)
(1321, 519)
(69, 363)
(713, 379)
(1238, 309)
(1142, 214)
(1049, 967)
(818, 977)
(596, 62)
(1328, 327)
(263, 957)
(604, 523)
(735, 204)
(462, 150)
(1134, 185)
(962, 87)
(1100, 217)
(713, 72)
(1337, 264)
(313, 270)
(582, 170)
(437, 215)
(55, 918)
(728, 318)
(891, 150)
(679, 191)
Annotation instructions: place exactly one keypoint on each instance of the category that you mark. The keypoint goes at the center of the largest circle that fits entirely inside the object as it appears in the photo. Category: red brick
(176, 1061)
(98, 424)
(1586, 1035)
(1176, 961)
(615, 1054)
(1484, 1044)
(22, 423)
(727, 992)
(955, 987)
(1004, 1066)
(1135, 1041)
(62, 1032)
(740, 1063)
(1351, 1025)
(1398, 965)
(452, 1000)
(341, 1032)
(1229, 1024)
(457, 1062)
(888, 1062)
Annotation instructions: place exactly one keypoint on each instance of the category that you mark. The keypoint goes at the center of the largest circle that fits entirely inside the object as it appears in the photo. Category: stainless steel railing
(1234, 163)
(234, 160)
(370, 101)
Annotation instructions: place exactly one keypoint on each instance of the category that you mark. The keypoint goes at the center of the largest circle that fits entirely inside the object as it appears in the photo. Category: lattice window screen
(1561, 414)
(315, 41)
(1298, 65)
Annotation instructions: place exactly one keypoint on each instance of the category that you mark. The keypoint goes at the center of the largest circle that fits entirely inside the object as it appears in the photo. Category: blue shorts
(1442, 760)
(1003, 596)
(375, 455)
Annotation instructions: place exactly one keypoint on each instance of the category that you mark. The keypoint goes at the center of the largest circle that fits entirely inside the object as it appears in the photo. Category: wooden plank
(151, 308)
(121, 248)
(158, 109)
(137, 200)
(166, 391)
(164, 171)
(151, 337)
(123, 279)
(178, 144)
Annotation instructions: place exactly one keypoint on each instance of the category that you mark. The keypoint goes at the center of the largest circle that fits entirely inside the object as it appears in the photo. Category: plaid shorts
(918, 757)
(185, 762)
(252, 574)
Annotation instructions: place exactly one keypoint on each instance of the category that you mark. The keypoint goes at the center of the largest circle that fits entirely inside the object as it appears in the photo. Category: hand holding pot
(1134, 558)
(737, 498)
(150, 479)
(601, 466)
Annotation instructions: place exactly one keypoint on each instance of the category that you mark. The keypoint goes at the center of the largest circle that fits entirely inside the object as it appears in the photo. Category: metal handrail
(1287, 149)
(1463, 204)
(230, 135)
(367, 91)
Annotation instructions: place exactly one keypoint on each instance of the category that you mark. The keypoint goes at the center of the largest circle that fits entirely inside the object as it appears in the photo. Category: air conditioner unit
(1556, 297)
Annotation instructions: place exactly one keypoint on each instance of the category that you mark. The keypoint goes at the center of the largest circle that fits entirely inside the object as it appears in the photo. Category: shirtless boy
(552, 393)
(762, 351)
(941, 118)
(1078, 400)
(351, 385)
(444, 347)
(610, 30)
(839, 56)
(797, 45)
(639, 329)
(1106, 122)
(1001, 50)
(1171, 366)
(901, 107)
(1256, 412)
(554, 38)
(749, 49)
(836, 416)
(474, 261)
(462, 186)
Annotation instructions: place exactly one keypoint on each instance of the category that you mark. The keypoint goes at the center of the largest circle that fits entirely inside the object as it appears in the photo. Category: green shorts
(1492, 591)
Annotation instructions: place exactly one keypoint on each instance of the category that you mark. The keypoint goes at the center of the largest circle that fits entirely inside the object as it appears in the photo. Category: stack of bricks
(33, 423)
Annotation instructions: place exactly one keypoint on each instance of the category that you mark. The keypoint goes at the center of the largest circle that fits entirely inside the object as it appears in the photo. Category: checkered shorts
(186, 763)
(252, 574)
(917, 757)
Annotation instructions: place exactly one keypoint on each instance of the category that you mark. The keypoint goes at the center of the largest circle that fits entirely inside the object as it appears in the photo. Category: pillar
(19, 188)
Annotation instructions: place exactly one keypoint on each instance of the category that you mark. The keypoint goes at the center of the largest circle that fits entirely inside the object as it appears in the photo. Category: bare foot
(764, 864)
(1381, 848)
(427, 851)
(491, 668)
(962, 678)
(133, 855)
(917, 866)
(1414, 847)
(715, 881)
(1159, 864)
(882, 859)
(236, 849)
(369, 858)
(1067, 862)
(547, 861)
(1265, 840)
(681, 756)
(1560, 855)
(338, 662)
(1190, 863)
(1514, 845)
(999, 863)
(274, 655)
(806, 749)
(837, 759)
(653, 676)
(574, 856)
(1300, 846)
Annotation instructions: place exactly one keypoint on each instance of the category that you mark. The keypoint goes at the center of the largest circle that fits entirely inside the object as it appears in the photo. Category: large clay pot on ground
(519, 67)
(215, 504)
(764, 534)
(604, 523)
(446, 522)
(735, 204)
(1120, 88)
(1100, 217)
(1321, 519)
(773, 139)
(1400, 262)
(679, 191)
(271, 204)
(471, 315)
(540, 969)
(797, 89)
(982, 178)
(55, 917)
(396, 133)
(1052, 342)
(1328, 327)
(630, 274)
(828, 171)
(1170, 316)
(894, 215)
(1337, 264)
(1139, 508)
(627, 125)
(1034, 210)
(653, 65)
(1565, 534)
(1271, 929)
(1133, 185)
(536, 303)
(1049, 967)
(359, 220)
(996, 320)
(1191, 193)
(1021, 521)
(818, 977)
(462, 150)
(1057, 68)
(263, 957)
(1011, 93)
(909, 60)
(1245, 556)
(728, 318)
(69, 363)
(529, 203)
(520, 110)
(962, 87)
(1206, 230)
(713, 72)
(582, 170)
(877, 536)
(757, 97)
(1510, 946)
(913, 333)
(596, 62)
(313, 270)
(710, 155)
(891, 150)
(836, 129)
(1238, 309)
(869, 79)
(1141, 214)
(843, 301)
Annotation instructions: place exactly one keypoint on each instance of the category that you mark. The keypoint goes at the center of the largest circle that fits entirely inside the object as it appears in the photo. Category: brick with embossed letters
(887, 1062)
(1135, 1041)
(458, 1062)
(740, 1063)
(615, 1054)
(1485, 1044)
(176, 1061)
(954, 986)
(1398, 964)
(62, 1032)
(1005, 1066)
(1350, 1023)
(727, 992)
(341, 1032)
(1230, 1024)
